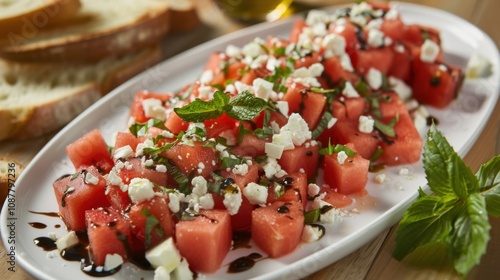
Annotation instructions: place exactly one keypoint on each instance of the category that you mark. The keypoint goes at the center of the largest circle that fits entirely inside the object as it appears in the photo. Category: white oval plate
(461, 123)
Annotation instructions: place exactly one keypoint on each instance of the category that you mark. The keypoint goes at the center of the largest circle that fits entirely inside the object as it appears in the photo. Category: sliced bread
(37, 98)
(100, 28)
(27, 18)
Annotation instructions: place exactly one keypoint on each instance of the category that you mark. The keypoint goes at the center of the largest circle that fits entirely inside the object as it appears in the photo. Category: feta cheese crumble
(429, 51)
(374, 78)
(91, 179)
(255, 193)
(153, 108)
(311, 233)
(140, 189)
(341, 157)
(67, 241)
(232, 201)
(366, 124)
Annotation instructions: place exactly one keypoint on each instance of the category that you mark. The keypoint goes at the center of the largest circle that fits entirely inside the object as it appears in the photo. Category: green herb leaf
(463, 181)
(489, 185)
(199, 110)
(151, 223)
(230, 161)
(323, 123)
(245, 106)
(456, 216)
(155, 151)
(263, 133)
(470, 234)
(362, 88)
(140, 129)
(335, 149)
(280, 51)
(179, 177)
(278, 78)
(387, 129)
(426, 221)
(312, 216)
(436, 152)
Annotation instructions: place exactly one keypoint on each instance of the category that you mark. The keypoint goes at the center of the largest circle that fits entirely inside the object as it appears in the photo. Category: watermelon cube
(277, 228)
(109, 233)
(77, 193)
(205, 240)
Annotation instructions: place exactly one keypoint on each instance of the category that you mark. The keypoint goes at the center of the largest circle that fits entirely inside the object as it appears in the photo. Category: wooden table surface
(373, 260)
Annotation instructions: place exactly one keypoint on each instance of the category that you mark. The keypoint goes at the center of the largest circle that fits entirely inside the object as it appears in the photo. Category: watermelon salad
(239, 149)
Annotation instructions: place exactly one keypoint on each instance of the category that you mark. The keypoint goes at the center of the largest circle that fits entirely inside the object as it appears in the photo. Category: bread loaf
(37, 98)
(100, 28)
(28, 18)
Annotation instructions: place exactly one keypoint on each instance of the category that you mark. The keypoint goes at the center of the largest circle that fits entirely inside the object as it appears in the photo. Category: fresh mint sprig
(241, 107)
(456, 215)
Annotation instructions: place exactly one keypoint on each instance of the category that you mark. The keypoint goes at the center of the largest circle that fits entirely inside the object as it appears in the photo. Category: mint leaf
(387, 129)
(435, 155)
(180, 178)
(323, 124)
(312, 216)
(489, 185)
(155, 151)
(461, 178)
(140, 129)
(426, 221)
(471, 233)
(335, 149)
(200, 111)
(456, 216)
(242, 107)
(245, 106)
(151, 223)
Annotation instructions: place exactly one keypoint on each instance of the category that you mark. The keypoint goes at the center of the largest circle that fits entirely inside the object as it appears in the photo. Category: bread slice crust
(34, 16)
(89, 36)
(41, 98)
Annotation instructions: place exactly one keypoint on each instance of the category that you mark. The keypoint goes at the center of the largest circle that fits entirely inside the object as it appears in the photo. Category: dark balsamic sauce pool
(80, 253)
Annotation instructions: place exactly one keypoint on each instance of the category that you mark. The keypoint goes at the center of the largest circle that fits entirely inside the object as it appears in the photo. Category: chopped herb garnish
(151, 223)
(278, 78)
(140, 129)
(387, 129)
(231, 161)
(263, 133)
(335, 149)
(155, 151)
(180, 178)
(242, 131)
(327, 116)
(224, 66)
(264, 48)
(362, 88)
(280, 51)
(378, 152)
(214, 185)
(260, 159)
(312, 216)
